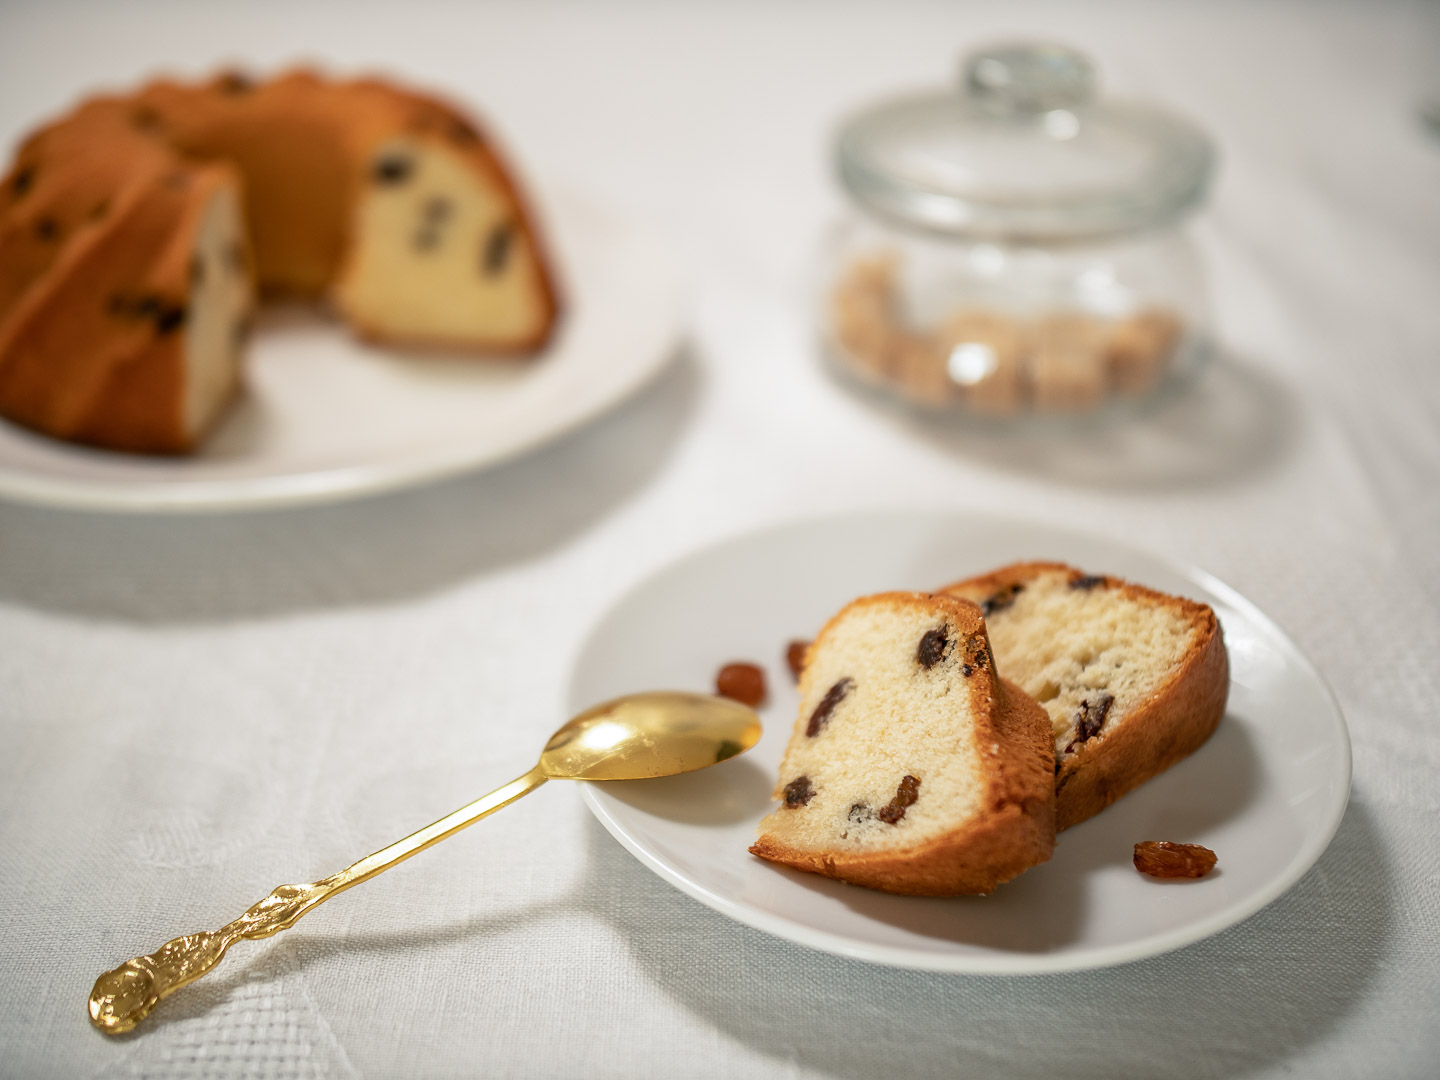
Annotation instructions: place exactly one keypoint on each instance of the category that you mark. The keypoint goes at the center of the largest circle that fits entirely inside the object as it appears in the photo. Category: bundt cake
(913, 767)
(1133, 680)
(136, 232)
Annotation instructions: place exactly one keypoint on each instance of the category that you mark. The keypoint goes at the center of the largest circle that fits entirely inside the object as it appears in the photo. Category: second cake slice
(912, 767)
(1133, 679)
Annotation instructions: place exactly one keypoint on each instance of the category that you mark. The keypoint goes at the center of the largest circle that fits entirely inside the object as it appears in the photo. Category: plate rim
(345, 483)
(993, 963)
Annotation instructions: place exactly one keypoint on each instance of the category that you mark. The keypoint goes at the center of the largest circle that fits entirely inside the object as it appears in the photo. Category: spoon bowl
(647, 735)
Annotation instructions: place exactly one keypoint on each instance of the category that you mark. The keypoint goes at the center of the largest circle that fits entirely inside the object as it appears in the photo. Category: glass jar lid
(1024, 150)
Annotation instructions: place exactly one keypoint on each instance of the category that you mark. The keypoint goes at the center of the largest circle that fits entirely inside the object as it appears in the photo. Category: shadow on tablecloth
(1250, 997)
(214, 569)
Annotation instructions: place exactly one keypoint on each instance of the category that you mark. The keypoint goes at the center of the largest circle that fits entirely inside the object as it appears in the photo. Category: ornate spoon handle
(123, 997)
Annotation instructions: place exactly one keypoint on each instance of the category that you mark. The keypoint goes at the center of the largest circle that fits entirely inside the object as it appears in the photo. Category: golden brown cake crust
(1171, 724)
(1016, 828)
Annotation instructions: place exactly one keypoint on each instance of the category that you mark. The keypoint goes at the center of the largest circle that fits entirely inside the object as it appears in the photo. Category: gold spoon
(630, 738)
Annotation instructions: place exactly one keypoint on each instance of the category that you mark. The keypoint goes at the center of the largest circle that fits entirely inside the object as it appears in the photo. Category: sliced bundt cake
(1133, 680)
(913, 767)
(135, 231)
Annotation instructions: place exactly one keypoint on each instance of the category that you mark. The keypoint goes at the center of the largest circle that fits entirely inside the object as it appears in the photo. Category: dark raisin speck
(933, 646)
(47, 229)
(742, 682)
(169, 319)
(821, 716)
(234, 82)
(497, 248)
(135, 307)
(981, 651)
(905, 796)
(145, 118)
(462, 133)
(860, 813)
(966, 670)
(798, 792)
(394, 169)
(1090, 717)
(1001, 599)
(24, 180)
(1086, 582)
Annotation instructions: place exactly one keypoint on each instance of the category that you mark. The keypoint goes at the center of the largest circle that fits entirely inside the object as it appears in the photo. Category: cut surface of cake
(135, 231)
(442, 255)
(1133, 680)
(913, 767)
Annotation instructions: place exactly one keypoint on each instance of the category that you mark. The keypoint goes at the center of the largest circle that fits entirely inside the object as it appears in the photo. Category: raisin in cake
(913, 767)
(135, 231)
(1133, 680)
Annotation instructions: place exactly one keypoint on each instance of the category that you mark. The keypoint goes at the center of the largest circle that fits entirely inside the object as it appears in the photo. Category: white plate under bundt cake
(913, 767)
(136, 231)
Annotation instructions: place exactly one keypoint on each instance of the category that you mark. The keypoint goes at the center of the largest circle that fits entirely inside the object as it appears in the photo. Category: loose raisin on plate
(795, 656)
(821, 716)
(1162, 859)
(744, 683)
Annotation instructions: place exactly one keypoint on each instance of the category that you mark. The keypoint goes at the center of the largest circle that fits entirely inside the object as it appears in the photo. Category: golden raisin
(795, 657)
(744, 683)
(1162, 859)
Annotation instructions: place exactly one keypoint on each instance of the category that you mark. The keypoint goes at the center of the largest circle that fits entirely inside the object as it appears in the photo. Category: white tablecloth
(194, 710)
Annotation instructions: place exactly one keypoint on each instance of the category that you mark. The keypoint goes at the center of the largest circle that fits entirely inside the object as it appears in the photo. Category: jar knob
(1028, 78)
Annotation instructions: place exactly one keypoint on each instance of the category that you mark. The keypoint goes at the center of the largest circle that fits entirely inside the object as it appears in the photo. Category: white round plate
(325, 418)
(1266, 793)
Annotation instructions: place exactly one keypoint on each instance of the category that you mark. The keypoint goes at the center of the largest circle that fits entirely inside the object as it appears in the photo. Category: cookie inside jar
(1016, 247)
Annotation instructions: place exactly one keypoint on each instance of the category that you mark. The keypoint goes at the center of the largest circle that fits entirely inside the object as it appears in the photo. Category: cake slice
(134, 340)
(913, 767)
(1133, 680)
(444, 250)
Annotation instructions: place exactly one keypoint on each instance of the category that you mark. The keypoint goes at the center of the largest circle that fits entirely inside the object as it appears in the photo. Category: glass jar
(1017, 246)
